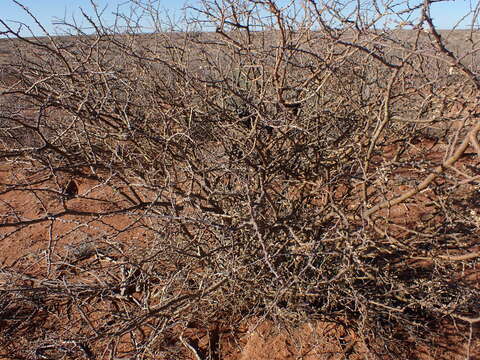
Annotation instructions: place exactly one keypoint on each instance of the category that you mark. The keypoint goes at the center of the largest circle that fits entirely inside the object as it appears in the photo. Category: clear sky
(48, 11)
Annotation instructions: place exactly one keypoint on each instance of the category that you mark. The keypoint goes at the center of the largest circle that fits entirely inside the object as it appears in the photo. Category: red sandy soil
(254, 340)
(32, 250)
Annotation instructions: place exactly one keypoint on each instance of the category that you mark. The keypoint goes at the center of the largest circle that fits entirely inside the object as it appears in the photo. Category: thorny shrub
(315, 160)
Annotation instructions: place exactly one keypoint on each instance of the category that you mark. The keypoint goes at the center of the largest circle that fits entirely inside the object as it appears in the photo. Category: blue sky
(48, 12)
(444, 14)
